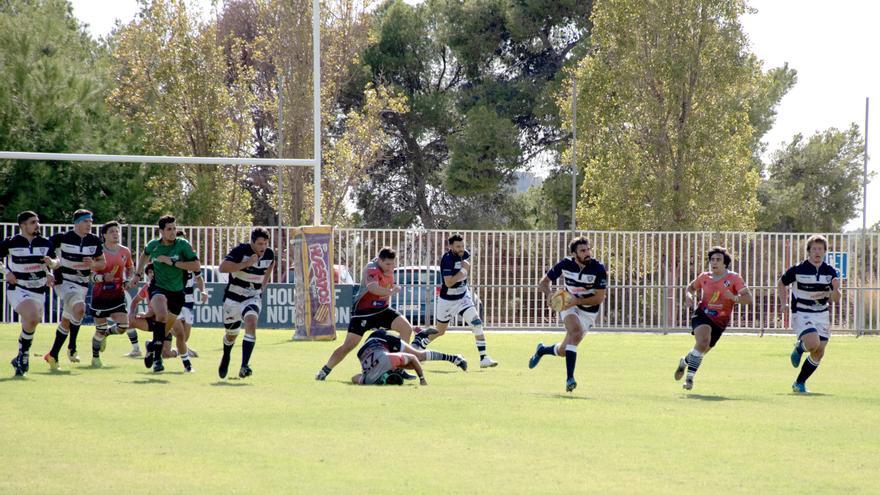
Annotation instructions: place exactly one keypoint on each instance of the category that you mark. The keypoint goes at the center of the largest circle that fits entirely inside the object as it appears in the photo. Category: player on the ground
(585, 280)
(108, 290)
(249, 266)
(721, 289)
(816, 284)
(28, 280)
(373, 311)
(79, 254)
(384, 358)
(171, 257)
(456, 298)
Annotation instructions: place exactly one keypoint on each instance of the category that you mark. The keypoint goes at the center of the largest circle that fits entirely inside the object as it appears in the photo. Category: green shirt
(166, 276)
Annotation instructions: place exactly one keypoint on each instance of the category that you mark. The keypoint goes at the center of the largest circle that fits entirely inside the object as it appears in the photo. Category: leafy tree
(813, 184)
(53, 78)
(671, 106)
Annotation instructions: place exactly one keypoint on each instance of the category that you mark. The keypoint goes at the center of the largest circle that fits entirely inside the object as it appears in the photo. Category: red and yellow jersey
(367, 301)
(113, 285)
(713, 303)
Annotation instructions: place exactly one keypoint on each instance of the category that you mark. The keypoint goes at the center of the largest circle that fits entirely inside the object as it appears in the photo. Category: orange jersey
(713, 303)
(368, 301)
(113, 273)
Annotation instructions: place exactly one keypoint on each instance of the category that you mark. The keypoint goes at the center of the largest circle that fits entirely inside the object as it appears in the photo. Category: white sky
(828, 43)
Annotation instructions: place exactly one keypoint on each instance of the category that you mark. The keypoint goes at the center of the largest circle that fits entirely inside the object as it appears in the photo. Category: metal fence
(648, 271)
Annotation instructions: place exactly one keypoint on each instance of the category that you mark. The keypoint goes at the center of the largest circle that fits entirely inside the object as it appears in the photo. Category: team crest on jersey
(727, 283)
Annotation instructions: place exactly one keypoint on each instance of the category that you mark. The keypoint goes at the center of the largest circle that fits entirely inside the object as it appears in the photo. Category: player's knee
(233, 328)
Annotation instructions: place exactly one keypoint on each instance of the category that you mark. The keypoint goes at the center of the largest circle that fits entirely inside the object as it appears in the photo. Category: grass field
(628, 428)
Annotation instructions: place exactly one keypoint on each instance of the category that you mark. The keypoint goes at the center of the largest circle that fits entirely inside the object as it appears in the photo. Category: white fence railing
(647, 271)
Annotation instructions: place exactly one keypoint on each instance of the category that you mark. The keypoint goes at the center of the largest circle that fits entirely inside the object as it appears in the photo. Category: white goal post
(314, 162)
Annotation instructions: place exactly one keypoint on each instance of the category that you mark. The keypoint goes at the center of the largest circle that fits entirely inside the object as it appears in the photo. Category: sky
(827, 43)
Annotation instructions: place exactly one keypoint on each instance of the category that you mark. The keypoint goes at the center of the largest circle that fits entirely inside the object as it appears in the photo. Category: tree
(671, 106)
(478, 78)
(53, 79)
(813, 185)
(171, 93)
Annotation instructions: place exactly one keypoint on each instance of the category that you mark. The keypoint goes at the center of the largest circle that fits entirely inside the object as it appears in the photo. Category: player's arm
(450, 280)
(358, 379)
(413, 362)
(592, 300)
(268, 273)
(98, 263)
(835, 294)
(229, 265)
(143, 261)
(374, 288)
(785, 280)
(200, 284)
(544, 286)
(691, 292)
(744, 296)
(190, 266)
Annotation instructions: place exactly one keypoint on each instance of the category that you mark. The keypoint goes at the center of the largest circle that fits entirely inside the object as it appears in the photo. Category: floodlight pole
(316, 105)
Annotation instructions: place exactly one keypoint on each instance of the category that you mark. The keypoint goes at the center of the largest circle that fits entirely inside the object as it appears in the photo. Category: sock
(60, 337)
(227, 347)
(547, 349)
(185, 359)
(71, 344)
(807, 369)
(158, 329)
(481, 348)
(326, 370)
(439, 356)
(247, 347)
(133, 338)
(693, 360)
(800, 346)
(570, 359)
(96, 345)
(24, 345)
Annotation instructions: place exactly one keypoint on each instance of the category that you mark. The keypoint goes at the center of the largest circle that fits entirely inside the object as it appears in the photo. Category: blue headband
(82, 217)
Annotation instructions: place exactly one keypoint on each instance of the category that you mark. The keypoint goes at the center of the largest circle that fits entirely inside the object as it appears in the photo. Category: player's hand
(730, 296)
(821, 295)
(395, 290)
(11, 279)
(783, 308)
(570, 302)
(164, 259)
(89, 261)
(49, 262)
(250, 261)
(50, 280)
(463, 272)
(422, 381)
(689, 299)
(141, 316)
(203, 296)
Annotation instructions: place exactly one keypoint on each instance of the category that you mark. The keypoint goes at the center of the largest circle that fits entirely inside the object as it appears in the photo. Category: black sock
(439, 356)
(60, 337)
(547, 349)
(326, 370)
(570, 360)
(74, 331)
(132, 336)
(24, 342)
(806, 370)
(227, 347)
(247, 347)
(158, 329)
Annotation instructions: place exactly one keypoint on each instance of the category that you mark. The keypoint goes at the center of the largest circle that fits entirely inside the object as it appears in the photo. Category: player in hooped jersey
(815, 284)
(249, 266)
(372, 311)
(79, 253)
(721, 289)
(456, 298)
(585, 280)
(28, 280)
(187, 314)
(384, 357)
(108, 290)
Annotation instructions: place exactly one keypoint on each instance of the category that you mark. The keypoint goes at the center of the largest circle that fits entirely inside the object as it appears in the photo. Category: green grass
(628, 428)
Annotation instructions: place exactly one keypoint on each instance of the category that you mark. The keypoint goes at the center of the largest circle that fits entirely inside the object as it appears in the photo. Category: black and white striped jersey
(72, 249)
(189, 289)
(580, 282)
(24, 259)
(808, 279)
(247, 283)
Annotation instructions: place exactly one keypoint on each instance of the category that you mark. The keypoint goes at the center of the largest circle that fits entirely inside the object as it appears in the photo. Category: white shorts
(585, 318)
(446, 309)
(821, 322)
(186, 315)
(18, 295)
(69, 295)
(234, 311)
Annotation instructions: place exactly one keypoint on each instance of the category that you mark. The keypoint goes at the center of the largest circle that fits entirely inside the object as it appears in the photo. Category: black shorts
(103, 307)
(699, 318)
(372, 320)
(176, 299)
